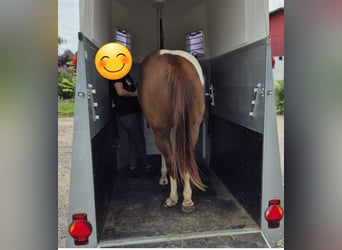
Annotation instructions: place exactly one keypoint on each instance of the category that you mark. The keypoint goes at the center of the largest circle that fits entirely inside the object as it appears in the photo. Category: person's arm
(123, 92)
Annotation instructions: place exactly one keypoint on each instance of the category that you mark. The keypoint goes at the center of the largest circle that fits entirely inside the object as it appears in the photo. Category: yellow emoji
(113, 61)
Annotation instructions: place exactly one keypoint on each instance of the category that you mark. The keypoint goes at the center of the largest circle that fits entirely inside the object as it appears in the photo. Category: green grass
(65, 108)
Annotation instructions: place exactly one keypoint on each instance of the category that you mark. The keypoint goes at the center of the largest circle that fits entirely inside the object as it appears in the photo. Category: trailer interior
(237, 150)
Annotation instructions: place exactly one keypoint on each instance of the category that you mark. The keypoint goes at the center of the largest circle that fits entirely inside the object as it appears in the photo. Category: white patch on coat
(187, 56)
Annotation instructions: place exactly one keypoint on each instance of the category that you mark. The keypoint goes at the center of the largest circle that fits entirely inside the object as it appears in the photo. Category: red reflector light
(274, 213)
(80, 229)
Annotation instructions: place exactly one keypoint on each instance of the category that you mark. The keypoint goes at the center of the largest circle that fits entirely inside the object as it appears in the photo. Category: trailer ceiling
(226, 25)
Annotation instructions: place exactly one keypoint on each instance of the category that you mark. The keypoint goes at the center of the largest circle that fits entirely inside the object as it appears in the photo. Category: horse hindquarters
(172, 95)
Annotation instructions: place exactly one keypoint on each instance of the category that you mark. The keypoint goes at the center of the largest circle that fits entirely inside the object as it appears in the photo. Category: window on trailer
(194, 43)
(124, 37)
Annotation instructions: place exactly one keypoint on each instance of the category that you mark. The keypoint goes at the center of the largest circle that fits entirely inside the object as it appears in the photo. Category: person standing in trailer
(128, 114)
(113, 61)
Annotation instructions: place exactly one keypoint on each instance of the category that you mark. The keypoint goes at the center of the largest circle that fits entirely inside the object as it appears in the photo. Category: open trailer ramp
(136, 217)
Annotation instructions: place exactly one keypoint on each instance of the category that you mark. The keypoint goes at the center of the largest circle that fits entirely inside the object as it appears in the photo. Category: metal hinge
(210, 95)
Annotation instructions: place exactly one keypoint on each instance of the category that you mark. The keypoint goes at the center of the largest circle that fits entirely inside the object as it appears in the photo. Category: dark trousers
(136, 140)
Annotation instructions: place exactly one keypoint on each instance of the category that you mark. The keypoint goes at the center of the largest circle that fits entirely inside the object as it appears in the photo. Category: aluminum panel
(271, 176)
(81, 199)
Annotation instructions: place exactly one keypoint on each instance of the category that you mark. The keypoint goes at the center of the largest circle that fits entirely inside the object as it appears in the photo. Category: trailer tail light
(274, 213)
(80, 229)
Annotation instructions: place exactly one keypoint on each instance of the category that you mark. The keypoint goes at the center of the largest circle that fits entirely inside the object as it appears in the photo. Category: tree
(66, 73)
(61, 40)
(66, 81)
(65, 57)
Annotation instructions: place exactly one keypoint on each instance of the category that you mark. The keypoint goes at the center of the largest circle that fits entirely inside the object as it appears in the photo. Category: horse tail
(183, 144)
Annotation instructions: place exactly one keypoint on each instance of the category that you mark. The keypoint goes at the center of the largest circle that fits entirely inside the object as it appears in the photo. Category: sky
(68, 22)
(275, 4)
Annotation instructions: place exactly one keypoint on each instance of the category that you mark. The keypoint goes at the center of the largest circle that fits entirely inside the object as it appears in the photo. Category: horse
(171, 95)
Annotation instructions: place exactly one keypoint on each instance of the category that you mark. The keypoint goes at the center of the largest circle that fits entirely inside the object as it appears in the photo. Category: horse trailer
(237, 150)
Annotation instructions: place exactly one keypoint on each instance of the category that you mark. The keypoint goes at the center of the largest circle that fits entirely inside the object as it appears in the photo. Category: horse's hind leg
(173, 198)
(187, 205)
(163, 178)
(162, 139)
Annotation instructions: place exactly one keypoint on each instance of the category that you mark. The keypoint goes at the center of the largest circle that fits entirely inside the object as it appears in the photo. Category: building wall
(277, 32)
(278, 70)
(277, 43)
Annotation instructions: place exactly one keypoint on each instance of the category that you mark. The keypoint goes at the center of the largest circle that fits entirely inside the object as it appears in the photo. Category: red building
(277, 32)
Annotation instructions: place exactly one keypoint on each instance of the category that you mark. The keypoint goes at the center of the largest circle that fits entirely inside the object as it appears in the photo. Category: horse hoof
(163, 181)
(169, 203)
(188, 209)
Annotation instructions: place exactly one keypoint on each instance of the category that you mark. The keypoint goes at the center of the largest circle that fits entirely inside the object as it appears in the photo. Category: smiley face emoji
(113, 61)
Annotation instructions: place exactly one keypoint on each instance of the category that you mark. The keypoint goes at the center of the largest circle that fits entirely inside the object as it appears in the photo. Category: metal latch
(93, 105)
(257, 89)
(210, 95)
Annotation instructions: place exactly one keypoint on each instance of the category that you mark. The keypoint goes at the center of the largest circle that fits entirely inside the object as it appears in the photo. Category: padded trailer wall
(238, 139)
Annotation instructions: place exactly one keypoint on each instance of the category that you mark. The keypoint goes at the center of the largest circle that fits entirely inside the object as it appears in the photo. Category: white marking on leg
(187, 56)
(173, 198)
(187, 192)
(163, 179)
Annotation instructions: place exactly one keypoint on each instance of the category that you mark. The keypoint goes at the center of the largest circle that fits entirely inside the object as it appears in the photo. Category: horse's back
(153, 90)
